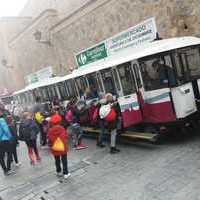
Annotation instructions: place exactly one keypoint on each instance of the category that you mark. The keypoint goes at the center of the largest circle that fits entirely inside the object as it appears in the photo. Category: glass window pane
(116, 80)
(158, 72)
(108, 81)
(126, 77)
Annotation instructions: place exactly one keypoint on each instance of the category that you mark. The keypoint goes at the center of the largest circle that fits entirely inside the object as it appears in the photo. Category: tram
(150, 83)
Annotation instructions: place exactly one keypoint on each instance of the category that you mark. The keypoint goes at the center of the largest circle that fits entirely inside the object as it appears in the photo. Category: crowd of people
(56, 129)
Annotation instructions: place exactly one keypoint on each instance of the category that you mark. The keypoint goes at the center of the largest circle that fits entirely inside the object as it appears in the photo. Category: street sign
(91, 55)
(42, 74)
(131, 38)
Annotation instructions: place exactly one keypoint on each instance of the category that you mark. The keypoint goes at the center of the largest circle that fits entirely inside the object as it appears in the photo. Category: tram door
(129, 102)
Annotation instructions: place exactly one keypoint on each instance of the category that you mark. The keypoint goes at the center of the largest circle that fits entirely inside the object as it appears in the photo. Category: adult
(39, 110)
(165, 73)
(5, 145)
(110, 113)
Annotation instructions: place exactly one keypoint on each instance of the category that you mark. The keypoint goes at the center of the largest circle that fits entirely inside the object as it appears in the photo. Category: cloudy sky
(11, 7)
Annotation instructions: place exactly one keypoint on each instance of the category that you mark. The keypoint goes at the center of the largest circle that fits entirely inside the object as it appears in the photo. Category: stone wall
(173, 18)
(80, 24)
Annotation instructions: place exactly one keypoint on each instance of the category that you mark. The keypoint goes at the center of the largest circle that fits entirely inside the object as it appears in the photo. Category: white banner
(133, 37)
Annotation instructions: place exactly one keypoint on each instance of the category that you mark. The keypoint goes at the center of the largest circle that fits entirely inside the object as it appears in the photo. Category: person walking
(58, 142)
(110, 113)
(28, 132)
(5, 146)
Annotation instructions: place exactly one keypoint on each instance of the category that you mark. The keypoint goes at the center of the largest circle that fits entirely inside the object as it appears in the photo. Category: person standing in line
(5, 146)
(14, 140)
(58, 142)
(28, 132)
(110, 113)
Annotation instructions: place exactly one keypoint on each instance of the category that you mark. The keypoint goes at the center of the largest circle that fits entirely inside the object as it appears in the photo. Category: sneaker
(114, 150)
(101, 145)
(9, 172)
(32, 162)
(81, 146)
(66, 176)
(59, 174)
(18, 164)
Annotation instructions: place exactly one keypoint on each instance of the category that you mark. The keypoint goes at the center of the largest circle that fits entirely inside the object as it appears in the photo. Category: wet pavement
(140, 172)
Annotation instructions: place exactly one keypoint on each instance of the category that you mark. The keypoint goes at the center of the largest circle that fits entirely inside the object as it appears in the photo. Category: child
(28, 132)
(58, 141)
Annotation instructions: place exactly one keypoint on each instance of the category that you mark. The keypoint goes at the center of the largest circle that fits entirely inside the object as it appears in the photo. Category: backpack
(5, 132)
(58, 145)
(39, 117)
(107, 113)
(69, 116)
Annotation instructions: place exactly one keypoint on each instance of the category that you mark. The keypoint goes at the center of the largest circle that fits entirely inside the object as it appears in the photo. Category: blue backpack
(5, 133)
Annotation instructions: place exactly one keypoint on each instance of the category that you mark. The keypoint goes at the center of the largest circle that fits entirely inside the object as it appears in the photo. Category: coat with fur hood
(55, 132)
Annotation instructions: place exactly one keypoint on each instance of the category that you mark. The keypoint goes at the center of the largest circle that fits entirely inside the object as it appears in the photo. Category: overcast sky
(11, 7)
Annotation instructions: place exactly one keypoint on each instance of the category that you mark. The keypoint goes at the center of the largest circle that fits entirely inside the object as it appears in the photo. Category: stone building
(73, 25)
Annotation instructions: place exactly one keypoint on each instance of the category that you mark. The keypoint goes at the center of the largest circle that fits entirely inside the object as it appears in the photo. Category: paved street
(140, 172)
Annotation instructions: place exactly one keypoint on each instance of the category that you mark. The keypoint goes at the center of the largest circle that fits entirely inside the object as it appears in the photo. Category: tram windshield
(108, 81)
(126, 77)
(158, 72)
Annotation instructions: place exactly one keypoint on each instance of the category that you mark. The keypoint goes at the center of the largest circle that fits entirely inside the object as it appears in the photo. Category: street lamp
(4, 62)
(38, 37)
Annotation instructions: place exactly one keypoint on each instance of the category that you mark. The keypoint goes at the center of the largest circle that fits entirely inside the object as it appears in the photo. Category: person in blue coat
(5, 145)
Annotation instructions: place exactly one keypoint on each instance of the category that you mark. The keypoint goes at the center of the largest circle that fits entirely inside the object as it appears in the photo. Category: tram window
(71, 88)
(62, 90)
(82, 85)
(100, 82)
(93, 85)
(126, 77)
(191, 59)
(158, 72)
(108, 81)
(137, 75)
(116, 80)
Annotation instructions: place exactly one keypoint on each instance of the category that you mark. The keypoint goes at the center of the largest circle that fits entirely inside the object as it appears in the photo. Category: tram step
(127, 134)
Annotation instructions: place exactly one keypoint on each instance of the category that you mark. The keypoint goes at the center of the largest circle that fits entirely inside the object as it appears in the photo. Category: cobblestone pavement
(140, 172)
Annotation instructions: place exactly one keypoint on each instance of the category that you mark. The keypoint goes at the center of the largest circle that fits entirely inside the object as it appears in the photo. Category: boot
(114, 150)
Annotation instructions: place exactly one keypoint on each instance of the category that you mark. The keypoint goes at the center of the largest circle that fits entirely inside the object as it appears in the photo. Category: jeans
(76, 133)
(113, 138)
(101, 138)
(43, 135)
(5, 150)
(58, 160)
(14, 153)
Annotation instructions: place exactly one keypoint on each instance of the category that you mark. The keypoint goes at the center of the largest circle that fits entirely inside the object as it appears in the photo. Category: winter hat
(56, 119)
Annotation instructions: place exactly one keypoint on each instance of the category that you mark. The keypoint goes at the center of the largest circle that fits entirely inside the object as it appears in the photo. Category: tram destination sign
(131, 38)
(92, 54)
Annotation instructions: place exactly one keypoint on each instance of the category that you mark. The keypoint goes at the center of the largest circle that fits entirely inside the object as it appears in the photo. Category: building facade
(73, 25)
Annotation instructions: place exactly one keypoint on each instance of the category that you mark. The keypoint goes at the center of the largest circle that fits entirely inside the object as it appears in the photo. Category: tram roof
(151, 48)
(45, 82)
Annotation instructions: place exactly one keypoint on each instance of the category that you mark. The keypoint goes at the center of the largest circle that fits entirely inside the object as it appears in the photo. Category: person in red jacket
(58, 140)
